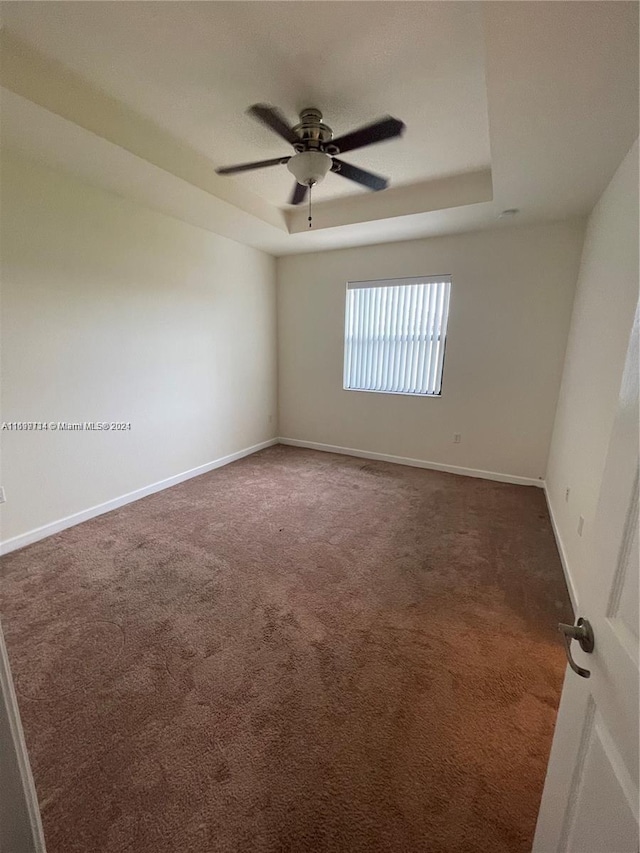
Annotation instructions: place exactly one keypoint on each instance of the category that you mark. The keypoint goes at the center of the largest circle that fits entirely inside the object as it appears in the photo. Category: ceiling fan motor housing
(313, 133)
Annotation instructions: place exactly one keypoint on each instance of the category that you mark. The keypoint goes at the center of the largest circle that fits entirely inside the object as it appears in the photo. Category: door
(590, 798)
(20, 826)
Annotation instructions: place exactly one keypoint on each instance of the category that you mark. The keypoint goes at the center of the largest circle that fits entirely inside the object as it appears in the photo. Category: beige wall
(511, 300)
(112, 312)
(605, 303)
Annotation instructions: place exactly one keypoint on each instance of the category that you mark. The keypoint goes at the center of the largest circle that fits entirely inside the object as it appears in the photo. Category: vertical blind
(395, 335)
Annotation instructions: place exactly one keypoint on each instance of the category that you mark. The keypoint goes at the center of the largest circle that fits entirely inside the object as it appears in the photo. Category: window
(395, 335)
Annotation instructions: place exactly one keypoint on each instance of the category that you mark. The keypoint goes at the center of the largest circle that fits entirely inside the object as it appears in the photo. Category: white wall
(511, 300)
(113, 312)
(605, 303)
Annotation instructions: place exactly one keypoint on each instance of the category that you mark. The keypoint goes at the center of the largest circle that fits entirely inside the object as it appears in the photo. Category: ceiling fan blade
(386, 128)
(360, 176)
(246, 167)
(274, 119)
(299, 194)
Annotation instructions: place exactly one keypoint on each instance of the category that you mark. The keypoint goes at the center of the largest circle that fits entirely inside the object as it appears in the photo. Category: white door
(590, 799)
(20, 826)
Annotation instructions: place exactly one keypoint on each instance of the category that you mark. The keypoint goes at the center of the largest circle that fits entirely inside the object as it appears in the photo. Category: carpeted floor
(297, 653)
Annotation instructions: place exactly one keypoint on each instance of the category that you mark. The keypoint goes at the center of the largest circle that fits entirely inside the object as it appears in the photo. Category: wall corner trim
(38, 533)
(563, 555)
(416, 463)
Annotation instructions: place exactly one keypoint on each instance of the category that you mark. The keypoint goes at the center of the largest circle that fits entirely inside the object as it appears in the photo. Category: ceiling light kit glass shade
(309, 167)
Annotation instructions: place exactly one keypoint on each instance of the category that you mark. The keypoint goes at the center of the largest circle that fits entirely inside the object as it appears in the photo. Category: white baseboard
(38, 533)
(563, 555)
(454, 469)
(416, 463)
(78, 517)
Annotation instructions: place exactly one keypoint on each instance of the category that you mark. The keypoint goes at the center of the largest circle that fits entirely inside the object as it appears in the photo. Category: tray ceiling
(193, 68)
(529, 105)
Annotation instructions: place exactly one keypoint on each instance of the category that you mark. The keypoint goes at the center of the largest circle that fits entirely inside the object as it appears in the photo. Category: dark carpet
(297, 653)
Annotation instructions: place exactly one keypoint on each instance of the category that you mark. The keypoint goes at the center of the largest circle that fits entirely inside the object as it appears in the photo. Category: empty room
(319, 429)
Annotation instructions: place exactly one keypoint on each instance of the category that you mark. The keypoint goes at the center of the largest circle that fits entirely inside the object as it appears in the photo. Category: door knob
(583, 633)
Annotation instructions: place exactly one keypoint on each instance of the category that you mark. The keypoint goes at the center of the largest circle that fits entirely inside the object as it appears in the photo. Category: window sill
(394, 393)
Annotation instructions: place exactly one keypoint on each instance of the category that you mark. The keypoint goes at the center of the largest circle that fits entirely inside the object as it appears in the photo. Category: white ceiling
(542, 94)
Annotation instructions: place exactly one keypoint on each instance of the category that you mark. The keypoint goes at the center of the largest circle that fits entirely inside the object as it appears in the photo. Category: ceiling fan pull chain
(309, 217)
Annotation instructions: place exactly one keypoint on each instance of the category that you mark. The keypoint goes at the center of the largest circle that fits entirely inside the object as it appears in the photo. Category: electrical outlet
(580, 525)
(2, 495)
(567, 493)
(457, 438)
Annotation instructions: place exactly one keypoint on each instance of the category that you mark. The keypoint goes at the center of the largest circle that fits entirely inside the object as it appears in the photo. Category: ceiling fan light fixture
(316, 149)
(309, 167)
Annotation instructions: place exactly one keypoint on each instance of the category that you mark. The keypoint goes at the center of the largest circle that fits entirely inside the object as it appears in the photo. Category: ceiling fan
(316, 148)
